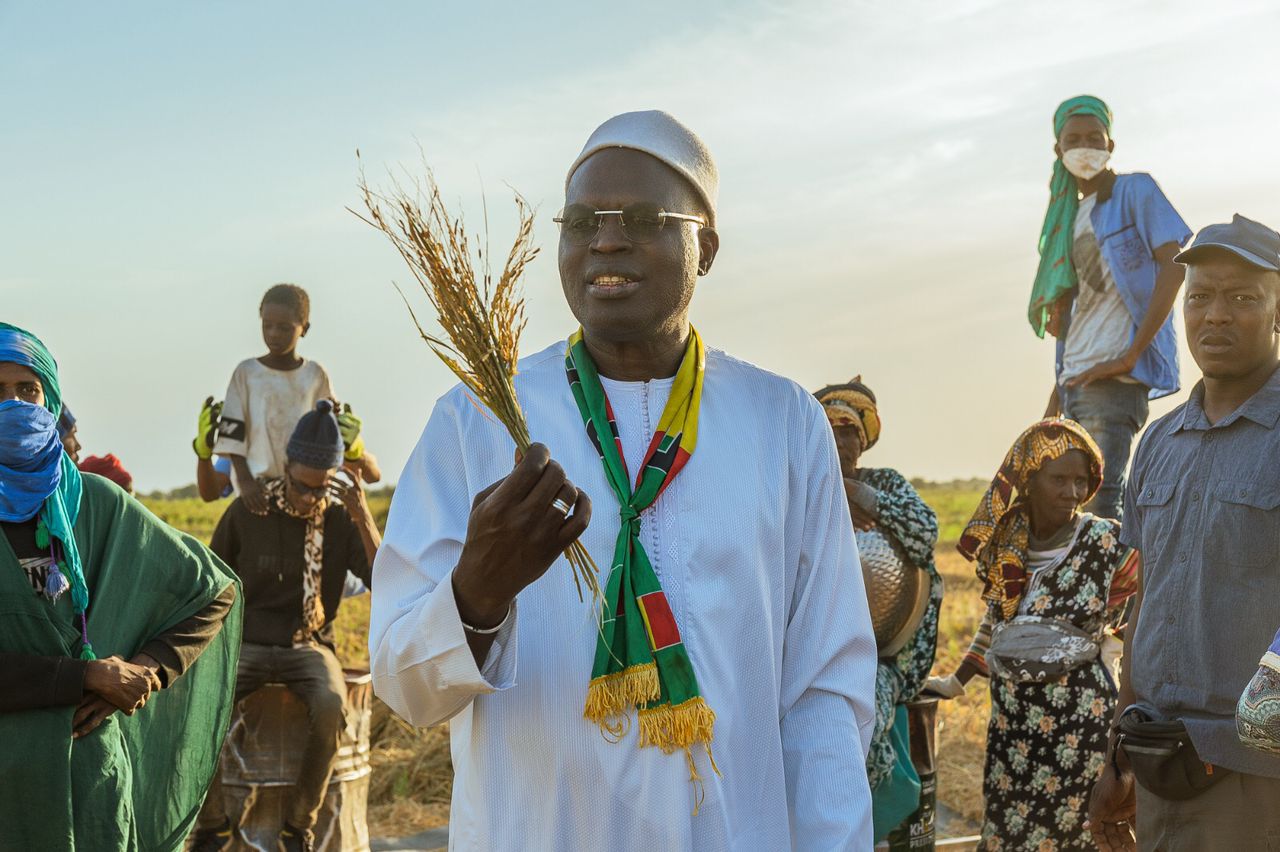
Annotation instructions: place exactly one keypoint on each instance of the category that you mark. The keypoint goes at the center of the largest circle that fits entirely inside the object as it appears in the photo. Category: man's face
(281, 329)
(1231, 315)
(19, 382)
(1084, 131)
(71, 444)
(625, 292)
(306, 486)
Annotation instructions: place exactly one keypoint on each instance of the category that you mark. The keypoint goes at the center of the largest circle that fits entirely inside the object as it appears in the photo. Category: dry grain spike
(482, 320)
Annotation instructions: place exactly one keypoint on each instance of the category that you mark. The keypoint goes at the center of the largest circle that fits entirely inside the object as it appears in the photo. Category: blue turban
(37, 477)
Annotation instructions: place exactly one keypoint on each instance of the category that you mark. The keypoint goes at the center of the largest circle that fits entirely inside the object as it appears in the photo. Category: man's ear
(306, 326)
(1111, 145)
(1275, 292)
(1057, 150)
(708, 246)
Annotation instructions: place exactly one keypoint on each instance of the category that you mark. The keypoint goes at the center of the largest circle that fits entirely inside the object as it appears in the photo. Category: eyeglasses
(641, 223)
(304, 490)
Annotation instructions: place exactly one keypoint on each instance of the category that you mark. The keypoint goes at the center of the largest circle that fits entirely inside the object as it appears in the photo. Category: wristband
(489, 631)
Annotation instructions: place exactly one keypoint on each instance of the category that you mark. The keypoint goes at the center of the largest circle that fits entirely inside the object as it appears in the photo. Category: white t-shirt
(261, 409)
(1101, 325)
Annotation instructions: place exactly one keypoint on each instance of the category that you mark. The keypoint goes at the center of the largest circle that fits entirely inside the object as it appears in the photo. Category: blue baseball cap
(1252, 242)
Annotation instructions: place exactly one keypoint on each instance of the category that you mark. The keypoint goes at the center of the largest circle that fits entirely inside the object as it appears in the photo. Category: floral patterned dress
(1046, 742)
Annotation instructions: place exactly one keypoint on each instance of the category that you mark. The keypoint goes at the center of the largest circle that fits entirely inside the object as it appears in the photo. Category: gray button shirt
(1203, 506)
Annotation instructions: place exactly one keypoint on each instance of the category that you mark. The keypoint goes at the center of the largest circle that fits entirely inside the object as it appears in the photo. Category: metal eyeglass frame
(663, 216)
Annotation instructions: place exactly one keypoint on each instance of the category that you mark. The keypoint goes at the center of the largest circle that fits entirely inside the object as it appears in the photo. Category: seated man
(292, 563)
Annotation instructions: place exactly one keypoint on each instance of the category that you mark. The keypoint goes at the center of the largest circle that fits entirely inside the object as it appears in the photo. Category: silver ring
(560, 504)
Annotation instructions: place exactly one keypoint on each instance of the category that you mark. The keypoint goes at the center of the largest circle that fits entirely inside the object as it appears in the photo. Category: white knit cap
(660, 135)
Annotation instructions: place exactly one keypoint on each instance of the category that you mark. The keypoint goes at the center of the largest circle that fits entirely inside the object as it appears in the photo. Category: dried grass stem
(481, 318)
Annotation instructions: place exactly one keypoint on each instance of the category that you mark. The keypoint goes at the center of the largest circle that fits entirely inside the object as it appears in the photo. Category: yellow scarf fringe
(669, 728)
(615, 694)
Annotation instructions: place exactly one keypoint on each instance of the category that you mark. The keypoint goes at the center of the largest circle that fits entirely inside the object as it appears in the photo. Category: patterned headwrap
(997, 536)
(57, 516)
(1056, 274)
(852, 404)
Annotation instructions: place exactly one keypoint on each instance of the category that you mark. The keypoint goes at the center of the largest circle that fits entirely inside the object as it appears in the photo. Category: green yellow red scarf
(640, 660)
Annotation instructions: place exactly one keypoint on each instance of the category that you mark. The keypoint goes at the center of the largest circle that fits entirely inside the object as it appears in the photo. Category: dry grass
(962, 723)
(412, 771)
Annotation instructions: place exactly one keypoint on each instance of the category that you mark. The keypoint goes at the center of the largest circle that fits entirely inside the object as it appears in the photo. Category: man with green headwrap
(1105, 289)
(103, 608)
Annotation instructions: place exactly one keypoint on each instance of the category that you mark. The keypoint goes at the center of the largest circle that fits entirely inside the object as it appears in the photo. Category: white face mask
(1086, 163)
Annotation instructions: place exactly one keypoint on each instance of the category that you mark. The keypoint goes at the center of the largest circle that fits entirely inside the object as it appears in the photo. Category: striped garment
(640, 660)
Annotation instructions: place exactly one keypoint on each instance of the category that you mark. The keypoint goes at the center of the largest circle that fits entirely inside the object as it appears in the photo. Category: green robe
(137, 782)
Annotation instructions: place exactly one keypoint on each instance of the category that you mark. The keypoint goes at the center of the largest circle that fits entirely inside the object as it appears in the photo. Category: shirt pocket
(1244, 525)
(1127, 249)
(1155, 517)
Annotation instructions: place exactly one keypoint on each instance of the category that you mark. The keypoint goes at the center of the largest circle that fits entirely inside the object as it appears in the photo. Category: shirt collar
(1262, 408)
(1106, 187)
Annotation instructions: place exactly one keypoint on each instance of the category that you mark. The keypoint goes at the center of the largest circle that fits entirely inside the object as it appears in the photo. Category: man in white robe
(475, 615)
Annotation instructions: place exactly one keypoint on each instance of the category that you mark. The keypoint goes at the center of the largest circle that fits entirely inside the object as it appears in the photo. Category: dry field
(412, 773)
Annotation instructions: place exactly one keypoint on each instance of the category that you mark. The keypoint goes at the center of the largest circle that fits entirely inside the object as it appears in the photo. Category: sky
(884, 171)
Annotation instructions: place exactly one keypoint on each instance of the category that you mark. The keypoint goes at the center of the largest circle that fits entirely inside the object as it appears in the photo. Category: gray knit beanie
(316, 440)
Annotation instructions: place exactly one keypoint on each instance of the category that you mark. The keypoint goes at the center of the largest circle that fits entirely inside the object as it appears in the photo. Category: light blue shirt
(222, 465)
(1131, 220)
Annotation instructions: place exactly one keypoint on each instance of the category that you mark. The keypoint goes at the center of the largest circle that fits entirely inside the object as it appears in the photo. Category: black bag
(1163, 758)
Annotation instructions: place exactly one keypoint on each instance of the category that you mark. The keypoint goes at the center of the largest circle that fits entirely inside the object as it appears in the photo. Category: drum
(261, 761)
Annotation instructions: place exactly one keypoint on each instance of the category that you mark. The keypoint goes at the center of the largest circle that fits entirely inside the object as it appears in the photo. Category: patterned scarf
(312, 554)
(997, 536)
(640, 659)
(1056, 274)
(852, 404)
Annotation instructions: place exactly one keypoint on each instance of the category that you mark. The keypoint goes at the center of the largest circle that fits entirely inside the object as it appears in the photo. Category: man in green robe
(119, 638)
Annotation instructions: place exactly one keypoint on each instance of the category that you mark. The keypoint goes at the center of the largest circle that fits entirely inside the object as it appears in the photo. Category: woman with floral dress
(1048, 570)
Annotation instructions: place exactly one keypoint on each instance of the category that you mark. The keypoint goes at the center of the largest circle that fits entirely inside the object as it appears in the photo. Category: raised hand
(207, 428)
(515, 532)
(352, 495)
(349, 426)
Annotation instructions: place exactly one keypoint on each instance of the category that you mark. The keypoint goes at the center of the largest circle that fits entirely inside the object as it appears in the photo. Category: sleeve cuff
(499, 669)
(170, 663)
(68, 684)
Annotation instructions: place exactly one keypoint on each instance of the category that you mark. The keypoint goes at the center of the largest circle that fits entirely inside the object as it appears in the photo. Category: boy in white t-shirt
(267, 396)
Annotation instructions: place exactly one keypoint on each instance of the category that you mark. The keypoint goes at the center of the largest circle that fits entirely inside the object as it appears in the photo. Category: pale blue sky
(883, 166)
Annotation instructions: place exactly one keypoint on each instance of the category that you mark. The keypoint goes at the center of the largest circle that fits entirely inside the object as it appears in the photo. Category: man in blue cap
(293, 562)
(1202, 506)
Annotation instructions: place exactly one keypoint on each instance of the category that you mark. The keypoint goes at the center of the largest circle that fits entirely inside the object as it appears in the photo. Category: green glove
(349, 427)
(207, 429)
